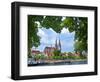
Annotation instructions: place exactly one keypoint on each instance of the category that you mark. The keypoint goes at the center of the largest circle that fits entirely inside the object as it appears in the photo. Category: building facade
(49, 50)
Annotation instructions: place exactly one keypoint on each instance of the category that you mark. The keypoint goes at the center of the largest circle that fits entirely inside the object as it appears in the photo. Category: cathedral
(49, 50)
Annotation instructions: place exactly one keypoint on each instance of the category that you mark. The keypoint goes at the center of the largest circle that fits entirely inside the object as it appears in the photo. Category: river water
(60, 63)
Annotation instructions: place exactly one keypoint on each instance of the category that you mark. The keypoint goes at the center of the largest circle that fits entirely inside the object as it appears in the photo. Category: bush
(71, 57)
(57, 53)
(39, 56)
(70, 54)
(74, 57)
(83, 57)
(29, 56)
(57, 57)
(65, 57)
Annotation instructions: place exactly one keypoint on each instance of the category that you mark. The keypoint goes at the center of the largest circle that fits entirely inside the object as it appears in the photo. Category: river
(60, 63)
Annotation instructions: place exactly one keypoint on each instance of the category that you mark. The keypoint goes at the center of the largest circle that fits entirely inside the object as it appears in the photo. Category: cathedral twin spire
(58, 44)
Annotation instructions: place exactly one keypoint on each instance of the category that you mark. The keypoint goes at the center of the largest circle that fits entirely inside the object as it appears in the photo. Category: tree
(57, 52)
(53, 22)
(33, 38)
(79, 26)
(78, 46)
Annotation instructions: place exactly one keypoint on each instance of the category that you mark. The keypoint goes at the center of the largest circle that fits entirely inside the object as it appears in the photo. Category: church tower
(58, 44)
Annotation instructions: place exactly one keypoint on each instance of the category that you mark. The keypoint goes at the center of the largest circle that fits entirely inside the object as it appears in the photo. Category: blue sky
(48, 37)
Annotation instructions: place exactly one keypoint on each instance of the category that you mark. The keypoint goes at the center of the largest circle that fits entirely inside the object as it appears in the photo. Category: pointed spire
(56, 46)
(59, 44)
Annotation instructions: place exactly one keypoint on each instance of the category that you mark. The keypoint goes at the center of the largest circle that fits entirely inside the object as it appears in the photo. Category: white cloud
(52, 30)
(53, 33)
(38, 23)
(67, 46)
(67, 43)
(64, 30)
(41, 33)
(63, 18)
(48, 37)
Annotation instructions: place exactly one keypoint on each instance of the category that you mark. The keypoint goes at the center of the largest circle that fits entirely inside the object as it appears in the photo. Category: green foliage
(39, 56)
(29, 56)
(42, 56)
(69, 53)
(52, 22)
(57, 52)
(69, 23)
(33, 38)
(83, 57)
(79, 45)
(56, 57)
(71, 57)
(65, 57)
(74, 57)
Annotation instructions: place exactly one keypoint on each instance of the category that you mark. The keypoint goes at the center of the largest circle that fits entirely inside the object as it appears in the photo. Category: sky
(48, 37)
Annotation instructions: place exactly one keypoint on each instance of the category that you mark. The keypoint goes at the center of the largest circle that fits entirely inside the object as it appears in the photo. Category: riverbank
(59, 62)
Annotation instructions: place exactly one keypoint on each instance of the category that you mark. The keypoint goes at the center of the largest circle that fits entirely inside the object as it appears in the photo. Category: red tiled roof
(35, 51)
(49, 47)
